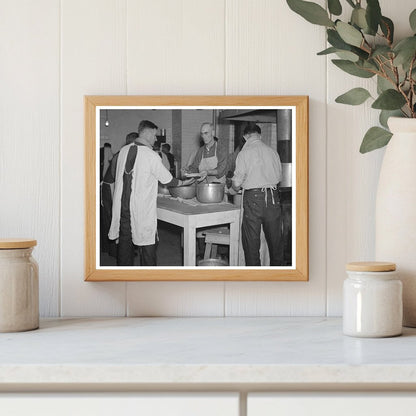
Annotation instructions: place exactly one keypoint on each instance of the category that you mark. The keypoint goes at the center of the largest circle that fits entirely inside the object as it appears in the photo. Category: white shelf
(174, 352)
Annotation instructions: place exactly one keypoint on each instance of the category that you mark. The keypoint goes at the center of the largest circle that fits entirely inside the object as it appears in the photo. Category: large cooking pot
(209, 193)
(183, 191)
(162, 189)
(212, 263)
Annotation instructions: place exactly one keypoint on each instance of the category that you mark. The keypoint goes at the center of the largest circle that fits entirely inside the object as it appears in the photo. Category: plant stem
(412, 86)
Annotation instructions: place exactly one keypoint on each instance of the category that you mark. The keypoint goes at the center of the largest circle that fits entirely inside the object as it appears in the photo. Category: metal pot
(183, 191)
(212, 263)
(209, 193)
(162, 189)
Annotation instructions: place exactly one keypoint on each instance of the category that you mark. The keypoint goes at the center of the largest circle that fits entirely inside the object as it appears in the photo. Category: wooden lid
(11, 243)
(371, 266)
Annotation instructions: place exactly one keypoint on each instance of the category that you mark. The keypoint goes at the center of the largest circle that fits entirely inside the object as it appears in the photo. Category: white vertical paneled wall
(175, 47)
(352, 178)
(93, 61)
(30, 135)
(55, 52)
(265, 56)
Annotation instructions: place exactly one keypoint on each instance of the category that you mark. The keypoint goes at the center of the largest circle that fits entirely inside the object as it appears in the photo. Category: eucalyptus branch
(386, 37)
(370, 70)
(395, 71)
(384, 73)
(377, 55)
(412, 86)
(406, 97)
(366, 43)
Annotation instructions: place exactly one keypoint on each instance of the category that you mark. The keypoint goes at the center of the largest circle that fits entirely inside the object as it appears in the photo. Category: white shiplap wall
(55, 52)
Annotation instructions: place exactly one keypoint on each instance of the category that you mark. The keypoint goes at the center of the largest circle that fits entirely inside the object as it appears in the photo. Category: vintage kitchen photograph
(195, 187)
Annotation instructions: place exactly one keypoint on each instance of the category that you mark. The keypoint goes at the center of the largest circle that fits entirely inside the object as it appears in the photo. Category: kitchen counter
(192, 353)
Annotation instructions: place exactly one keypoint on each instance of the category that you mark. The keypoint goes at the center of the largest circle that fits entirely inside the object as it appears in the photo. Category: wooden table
(192, 217)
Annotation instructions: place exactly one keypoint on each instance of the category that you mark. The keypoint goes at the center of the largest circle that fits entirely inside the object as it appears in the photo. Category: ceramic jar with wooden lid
(372, 300)
(19, 286)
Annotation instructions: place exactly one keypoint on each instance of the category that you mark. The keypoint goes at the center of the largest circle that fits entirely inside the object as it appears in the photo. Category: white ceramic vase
(396, 210)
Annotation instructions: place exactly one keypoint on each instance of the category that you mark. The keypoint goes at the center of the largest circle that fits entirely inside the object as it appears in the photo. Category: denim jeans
(262, 208)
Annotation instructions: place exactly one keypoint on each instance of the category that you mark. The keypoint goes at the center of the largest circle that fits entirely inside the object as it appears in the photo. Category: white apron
(210, 163)
(143, 199)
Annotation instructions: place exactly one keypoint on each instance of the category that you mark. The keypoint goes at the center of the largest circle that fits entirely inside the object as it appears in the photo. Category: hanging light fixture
(107, 123)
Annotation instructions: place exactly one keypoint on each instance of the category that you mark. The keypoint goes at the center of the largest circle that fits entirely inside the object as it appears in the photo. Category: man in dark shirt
(171, 158)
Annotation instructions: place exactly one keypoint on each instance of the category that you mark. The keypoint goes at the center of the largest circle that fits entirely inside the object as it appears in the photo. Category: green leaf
(311, 12)
(349, 34)
(355, 96)
(389, 100)
(370, 65)
(383, 84)
(381, 50)
(348, 56)
(386, 114)
(387, 27)
(405, 50)
(327, 51)
(336, 41)
(373, 15)
(351, 3)
(334, 7)
(412, 20)
(352, 68)
(375, 138)
(358, 18)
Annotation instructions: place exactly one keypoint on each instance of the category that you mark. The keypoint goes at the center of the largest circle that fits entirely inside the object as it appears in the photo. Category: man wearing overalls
(258, 171)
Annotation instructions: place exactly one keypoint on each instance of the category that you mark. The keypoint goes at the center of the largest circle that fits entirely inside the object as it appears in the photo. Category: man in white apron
(210, 161)
(258, 171)
(134, 215)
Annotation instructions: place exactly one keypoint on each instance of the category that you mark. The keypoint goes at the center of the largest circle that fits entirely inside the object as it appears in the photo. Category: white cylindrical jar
(372, 300)
(19, 286)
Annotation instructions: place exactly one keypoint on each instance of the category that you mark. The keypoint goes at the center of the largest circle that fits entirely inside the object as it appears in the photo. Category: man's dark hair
(146, 124)
(107, 144)
(131, 137)
(251, 128)
(166, 146)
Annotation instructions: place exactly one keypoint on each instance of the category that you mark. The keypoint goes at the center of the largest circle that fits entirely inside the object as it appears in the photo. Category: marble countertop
(204, 351)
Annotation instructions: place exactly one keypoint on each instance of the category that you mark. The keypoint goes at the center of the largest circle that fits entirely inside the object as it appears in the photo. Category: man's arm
(239, 174)
(178, 182)
(222, 163)
(194, 167)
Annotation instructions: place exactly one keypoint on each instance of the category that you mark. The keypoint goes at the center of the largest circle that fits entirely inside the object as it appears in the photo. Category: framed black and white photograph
(196, 188)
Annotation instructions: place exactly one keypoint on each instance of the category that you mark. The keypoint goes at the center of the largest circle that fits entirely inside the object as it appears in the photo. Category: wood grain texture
(262, 58)
(301, 267)
(12, 243)
(93, 60)
(352, 178)
(29, 135)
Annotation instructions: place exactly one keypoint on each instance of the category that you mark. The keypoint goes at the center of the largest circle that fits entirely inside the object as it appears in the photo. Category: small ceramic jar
(19, 286)
(372, 300)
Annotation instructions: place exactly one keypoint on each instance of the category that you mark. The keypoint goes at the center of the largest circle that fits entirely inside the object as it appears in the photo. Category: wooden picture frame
(229, 108)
